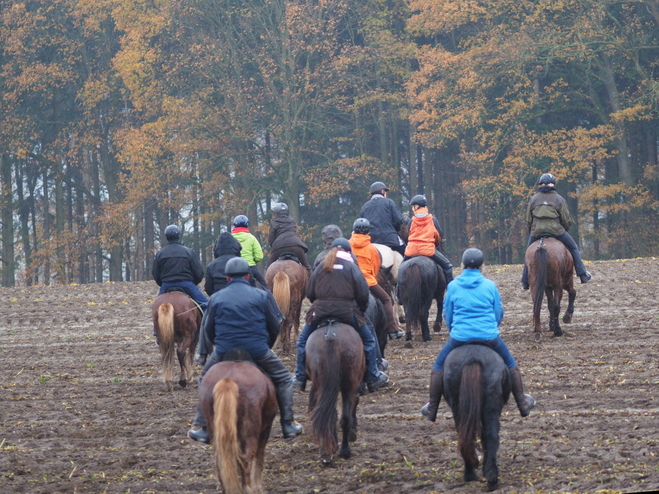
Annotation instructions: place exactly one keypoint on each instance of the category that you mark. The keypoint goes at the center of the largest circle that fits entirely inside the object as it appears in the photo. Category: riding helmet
(172, 232)
(241, 220)
(342, 243)
(472, 258)
(361, 225)
(378, 187)
(546, 179)
(419, 200)
(280, 208)
(236, 266)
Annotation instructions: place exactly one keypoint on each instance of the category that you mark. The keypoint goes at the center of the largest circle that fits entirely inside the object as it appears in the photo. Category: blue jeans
(368, 340)
(191, 290)
(496, 344)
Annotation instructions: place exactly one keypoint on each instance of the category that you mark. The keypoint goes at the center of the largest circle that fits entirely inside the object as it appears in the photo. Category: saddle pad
(288, 256)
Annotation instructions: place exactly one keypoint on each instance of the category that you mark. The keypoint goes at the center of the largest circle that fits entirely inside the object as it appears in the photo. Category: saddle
(288, 256)
(174, 289)
(328, 321)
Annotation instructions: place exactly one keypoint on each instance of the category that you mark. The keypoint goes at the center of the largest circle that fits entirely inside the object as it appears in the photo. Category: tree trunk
(8, 261)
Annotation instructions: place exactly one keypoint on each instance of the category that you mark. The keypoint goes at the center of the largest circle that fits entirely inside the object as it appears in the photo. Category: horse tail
(470, 403)
(323, 416)
(166, 337)
(225, 435)
(414, 294)
(540, 282)
(281, 290)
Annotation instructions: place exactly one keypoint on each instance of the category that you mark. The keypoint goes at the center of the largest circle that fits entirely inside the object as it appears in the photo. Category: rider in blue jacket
(473, 312)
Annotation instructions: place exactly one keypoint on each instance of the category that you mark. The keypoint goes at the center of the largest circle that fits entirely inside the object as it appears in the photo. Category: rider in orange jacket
(425, 236)
(368, 259)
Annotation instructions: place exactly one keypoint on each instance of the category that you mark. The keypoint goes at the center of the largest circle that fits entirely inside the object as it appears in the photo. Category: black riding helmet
(378, 187)
(172, 232)
(361, 225)
(281, 208)
(236, 266)
(342, 243)
(546, 179)
(241, 221)
(472, 258)
(419, 200)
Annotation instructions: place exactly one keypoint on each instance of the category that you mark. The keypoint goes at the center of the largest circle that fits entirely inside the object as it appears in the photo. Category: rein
(197, 306)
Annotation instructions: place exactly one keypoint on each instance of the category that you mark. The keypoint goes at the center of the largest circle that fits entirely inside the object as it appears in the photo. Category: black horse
(420, 281)
(377, 316)
(476, 386)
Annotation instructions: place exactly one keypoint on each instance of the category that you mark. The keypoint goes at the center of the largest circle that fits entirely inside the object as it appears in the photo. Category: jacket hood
(360, 240)
(330, 233)
(227, 244)
(470, 278)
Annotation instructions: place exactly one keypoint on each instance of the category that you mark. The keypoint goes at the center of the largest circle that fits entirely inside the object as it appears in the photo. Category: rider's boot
(289, 427)
(429, 410)
(525, 402)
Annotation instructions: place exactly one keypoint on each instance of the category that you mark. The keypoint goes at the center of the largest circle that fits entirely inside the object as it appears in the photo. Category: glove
(200, 359)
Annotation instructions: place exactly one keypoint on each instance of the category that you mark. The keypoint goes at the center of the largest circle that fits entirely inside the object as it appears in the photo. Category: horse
(288, 280)
(377, 316)
(176, 321)
(387, 277)
(239, 404)
(550, 266)
(335, 363)
(476, 387)
(420, 281)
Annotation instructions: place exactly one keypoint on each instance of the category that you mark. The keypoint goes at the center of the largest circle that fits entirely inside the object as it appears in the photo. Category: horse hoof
(183, 383)
(567, 318)
(408, 344)
(492, 485)
(537, 337)
(326, 461)
(352, 436)
(168, 386)
(345, 454)
(470, 476)
(558, 332)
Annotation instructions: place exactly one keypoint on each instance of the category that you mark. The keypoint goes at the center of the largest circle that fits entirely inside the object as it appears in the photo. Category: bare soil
(82, 405)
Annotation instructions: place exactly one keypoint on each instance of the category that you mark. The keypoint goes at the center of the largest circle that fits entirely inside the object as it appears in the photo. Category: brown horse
(288, 281)
(335, 363)
(176, 321)
(550, 267)
(239, 404)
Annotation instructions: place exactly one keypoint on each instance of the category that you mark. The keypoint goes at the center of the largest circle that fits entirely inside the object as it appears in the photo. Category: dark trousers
(274, 368)
(570, 244)
(442, 261)
(296, 249)
(191, 290)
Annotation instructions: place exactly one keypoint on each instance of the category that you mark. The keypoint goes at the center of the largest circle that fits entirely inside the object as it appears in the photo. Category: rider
(283, 236)
(425, 235)
(329, 234)
(337, 289)
(368, 259)
(226, 247)
(473, 312)
(243, 317)
(251, 248)
(175, 265)
(548, 215)
(384, 217)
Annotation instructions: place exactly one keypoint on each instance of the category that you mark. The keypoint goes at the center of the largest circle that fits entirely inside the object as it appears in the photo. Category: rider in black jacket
(226, 248)
(384, 218)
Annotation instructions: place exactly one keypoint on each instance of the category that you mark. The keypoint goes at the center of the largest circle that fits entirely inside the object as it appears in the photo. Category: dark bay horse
(239, 404)
(176, 321)
(476, 386)
(378, 318)
(550, 266)
(288, 281)
(335, 363)
(420, 281)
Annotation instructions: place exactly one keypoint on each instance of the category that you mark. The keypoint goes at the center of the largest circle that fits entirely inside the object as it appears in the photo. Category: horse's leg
(425, 329)
(408, 327)
(182, 353)
(490, 443)
(572, 294)
(249, 463)
(346, 419)
(549, 293)
(558, 295)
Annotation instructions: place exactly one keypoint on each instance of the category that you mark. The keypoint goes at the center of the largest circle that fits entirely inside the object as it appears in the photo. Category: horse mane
(228, 461)
(330, 260)
(470, 404)
(281, 290)
(323, 414)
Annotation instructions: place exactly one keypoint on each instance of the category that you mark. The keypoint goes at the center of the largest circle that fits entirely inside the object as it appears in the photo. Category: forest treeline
(119, 117)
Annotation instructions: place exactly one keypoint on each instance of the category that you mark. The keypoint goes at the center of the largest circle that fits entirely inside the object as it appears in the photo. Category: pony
(288, 280)
(377, 316)
(550, 266)
(176, 321)
(420, 281)
(388, 276)
(239, 404)
(476, 387)
(335, 363)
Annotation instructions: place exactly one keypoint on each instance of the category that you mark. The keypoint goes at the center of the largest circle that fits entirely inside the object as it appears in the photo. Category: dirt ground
(82, 405)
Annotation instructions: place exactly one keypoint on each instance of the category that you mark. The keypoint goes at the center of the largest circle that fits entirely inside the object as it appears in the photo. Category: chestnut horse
(476, 386)
(420, 281)
(550, 266)
(335, 363)
(288, 281)
(176, 321)
(239, 404)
